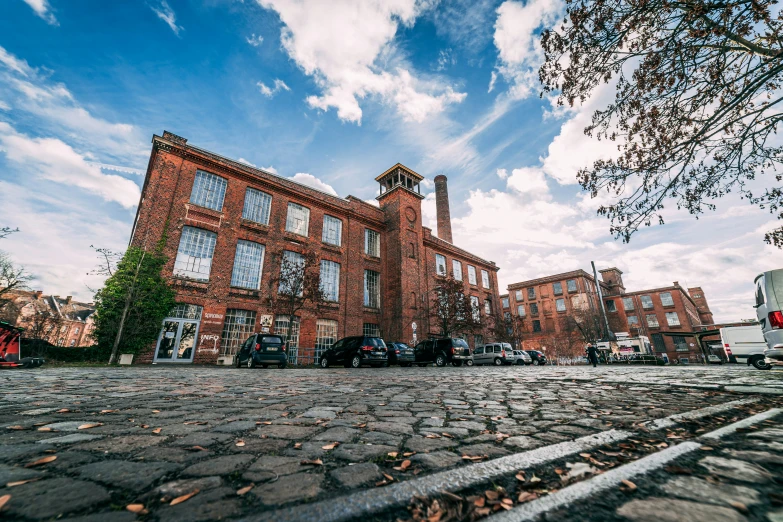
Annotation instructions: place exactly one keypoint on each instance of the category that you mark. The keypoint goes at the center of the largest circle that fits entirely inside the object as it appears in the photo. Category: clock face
(410, 214)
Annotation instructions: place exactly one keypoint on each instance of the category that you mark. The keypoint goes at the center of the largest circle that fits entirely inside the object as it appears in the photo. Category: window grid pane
(248, 262)
(632, 319)
(672, 319)
(291, 277)
(281, 329)
(666, 299)
(518, 295)
(472, 275)
(474, 305)
(238, 326)
(560, 305)
(440, 264)
(371, 330)
(257, 207)
(330, 280)
(372, 243)
(557, 288)
(333, 231)
(209, 190)
(628, 304)
(531, 293)
(485, 278)
(186, 311)
(571, 285)
(194, 256)
(646, 302)
(298, 219)
(487, 306)
(505, 302)
(456, 267)
(652, 321)
(372, 296)
(325, 335)
(521, 310)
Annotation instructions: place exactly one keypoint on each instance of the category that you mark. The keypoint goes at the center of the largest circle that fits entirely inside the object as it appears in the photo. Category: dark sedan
(354, 352)
(539, 359)
(262, 350)
(400, 353)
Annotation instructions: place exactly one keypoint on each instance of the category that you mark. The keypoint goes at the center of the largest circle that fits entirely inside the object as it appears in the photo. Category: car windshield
(506, 346)
(271, 339)
(459, 343)
(403, 346)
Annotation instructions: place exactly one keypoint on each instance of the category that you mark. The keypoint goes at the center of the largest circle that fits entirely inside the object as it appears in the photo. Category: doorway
(177, 339)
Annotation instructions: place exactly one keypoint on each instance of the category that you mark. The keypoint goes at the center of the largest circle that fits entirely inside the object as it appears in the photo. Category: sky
(330, 94)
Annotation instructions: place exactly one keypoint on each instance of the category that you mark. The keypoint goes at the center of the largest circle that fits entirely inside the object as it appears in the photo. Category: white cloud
(271, 169)
(347, 47)
(167, 14)
(446, 59)
(502, 173)
(56, 161)
(254, 40)
(43, 10)
(311, 181)
(277, 86)
(243, 160)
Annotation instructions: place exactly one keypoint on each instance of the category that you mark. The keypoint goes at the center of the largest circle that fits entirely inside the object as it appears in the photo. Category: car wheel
(238, 363)
(536, 363)
(456, 363)
(282, 365)
(760, 364)
(469, 362)
(324, 362)
(356, 361)
(251, 363)
(440, 360)
(498, 362)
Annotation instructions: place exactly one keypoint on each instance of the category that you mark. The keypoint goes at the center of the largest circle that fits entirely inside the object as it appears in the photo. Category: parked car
(442, 352)
(522, 358)
(745, 344)
(497, 354)
(645, 359)
(262, 350)
(768, 311)
(353, 352)
(400, 353)
(714, 359)
(539, 359)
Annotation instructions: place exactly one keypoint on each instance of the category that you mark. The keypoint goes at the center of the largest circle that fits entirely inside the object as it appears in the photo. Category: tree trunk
(128, 299)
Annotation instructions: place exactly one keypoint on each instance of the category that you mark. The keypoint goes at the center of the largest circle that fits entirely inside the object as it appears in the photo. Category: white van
(745, 344)
(769, 311)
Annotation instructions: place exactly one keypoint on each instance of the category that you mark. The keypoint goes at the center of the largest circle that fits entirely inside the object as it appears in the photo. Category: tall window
(372, 243)
(485, 279)
(557, 288)
(628, 304)
(474, 306)
(610, 306)
(330, 280)
(560, 305)
(536, 325)
(333, 231)
(325, 335)
(283, 328)
(371, 330)
(518, 295)
(440, 264)
(632, 319)
(488, 306)
(194, 256)
(248, 262)
(504, 300)
(372, 294)
(257, 207)
(680, 345)
(456, 267)
(208, 191)
(571, 285)
(666, 299)
(238, 326)
(478, 340)
(291, 276)
(521, 310)
(533, 308)
(652, 320)
(658, 343)
(646, 302)
(472, 275)
(531, 293)
(298, 219)
(186, 311)
(672, 319)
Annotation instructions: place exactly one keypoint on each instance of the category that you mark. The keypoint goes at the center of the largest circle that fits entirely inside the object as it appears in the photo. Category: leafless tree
(453, 312)
(43, 324)
(107, 261)
(12, 277)
(697, 102)
(7, 231)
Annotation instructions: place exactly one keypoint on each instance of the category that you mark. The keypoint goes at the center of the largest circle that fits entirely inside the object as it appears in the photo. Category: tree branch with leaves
(453, 312)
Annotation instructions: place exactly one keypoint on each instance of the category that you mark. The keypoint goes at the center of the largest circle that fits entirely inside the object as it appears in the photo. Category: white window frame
(475, 307)
(521, 310)
(628, 304)
(293, 257)
(330, 280)
(372, 279)
(372, 243)
(557, 288)
(248, 269)
(487, 306)
(333, 231)
(238, 325)
(485, 279)
(440, 264)
(569, 285)
(668, 298)
(673, 319)
(472, 275)
(633, 319)
(325, 335)
(652, 321)
(505, 302)
(518, 295)
(456, 267)
(209, 190)
(644, 304)
(195, 253)
(560, 305)
(297, 224)
(257, 206)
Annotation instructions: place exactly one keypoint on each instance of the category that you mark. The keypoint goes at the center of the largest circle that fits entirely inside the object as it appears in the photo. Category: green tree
(132, 303)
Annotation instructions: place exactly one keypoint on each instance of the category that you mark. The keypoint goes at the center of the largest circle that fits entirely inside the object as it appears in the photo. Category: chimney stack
(38, 294)
(68, 299)
(442, 208)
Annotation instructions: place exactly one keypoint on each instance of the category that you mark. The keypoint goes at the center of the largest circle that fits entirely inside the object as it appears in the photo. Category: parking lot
(258, 443)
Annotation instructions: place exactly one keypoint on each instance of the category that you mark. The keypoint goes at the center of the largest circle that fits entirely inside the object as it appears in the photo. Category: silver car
(523, 357)
(493, 353)
(769, 314)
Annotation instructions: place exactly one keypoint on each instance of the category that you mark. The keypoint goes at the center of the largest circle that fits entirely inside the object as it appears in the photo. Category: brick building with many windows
(659, 313)
(224, 223)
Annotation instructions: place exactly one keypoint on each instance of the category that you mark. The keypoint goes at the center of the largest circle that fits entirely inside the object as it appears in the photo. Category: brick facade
(56, 320)
(406, 248)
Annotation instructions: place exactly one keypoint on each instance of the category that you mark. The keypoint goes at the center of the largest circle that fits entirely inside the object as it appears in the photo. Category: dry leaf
(63, 410)
(136, 508)
(507, 501)
(20, 482)
(447, 435)
(285, 414)
(408, 453)
(316, 462)
(491, 494)
(479, 502)
(240, 443)
(705, 448)
(244, 490)
(157, 430)
(739, 506)
(298, 445)
(90, 425)
(363, 425)
(330, 446)
(115, 411)
(267, 422)
(45, 428)
(43, 460)
(630, 485)
(526, 497)
(432, 436)
(196, 448)
(474, 458)
(388, 477)
(393, 454)
(381, 483)
(155, 411)
(585, 455)
(183, 498)
(145, 426)
(405, 464)
(17, 427)
(534, 479)
(4, 500)
(520, 476)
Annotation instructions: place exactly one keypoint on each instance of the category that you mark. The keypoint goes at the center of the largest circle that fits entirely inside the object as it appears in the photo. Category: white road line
(668, 422)
(368, 502)
(731, 428)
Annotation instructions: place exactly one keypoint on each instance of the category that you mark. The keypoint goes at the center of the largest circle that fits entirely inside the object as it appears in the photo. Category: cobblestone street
(257, 443)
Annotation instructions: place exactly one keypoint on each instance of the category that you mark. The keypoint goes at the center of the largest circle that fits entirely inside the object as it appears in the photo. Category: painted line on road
(613, 478)
(671, 420)
(373, 501)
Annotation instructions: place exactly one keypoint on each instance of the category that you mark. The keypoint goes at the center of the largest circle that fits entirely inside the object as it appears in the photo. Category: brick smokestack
(442, 208)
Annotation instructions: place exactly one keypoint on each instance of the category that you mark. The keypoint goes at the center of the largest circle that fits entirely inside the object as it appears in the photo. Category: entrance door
(177, 341)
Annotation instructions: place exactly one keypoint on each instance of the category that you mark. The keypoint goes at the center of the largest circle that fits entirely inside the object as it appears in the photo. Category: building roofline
(414, 174)
(441, 244)
(555, 277)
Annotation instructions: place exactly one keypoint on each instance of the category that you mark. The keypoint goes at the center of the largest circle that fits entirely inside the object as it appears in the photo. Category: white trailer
(744, 344)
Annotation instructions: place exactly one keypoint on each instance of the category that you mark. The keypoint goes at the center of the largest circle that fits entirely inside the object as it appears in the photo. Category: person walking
(592, 354)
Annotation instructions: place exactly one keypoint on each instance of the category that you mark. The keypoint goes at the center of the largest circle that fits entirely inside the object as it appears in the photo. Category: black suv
(538, 357)
(442, 351)
(262, 350)
(352, 352)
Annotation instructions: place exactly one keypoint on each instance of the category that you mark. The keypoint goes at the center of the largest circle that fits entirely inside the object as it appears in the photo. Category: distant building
(659, 313)
(59, 321)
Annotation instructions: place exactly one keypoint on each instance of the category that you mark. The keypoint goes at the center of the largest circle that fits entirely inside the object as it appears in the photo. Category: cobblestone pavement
(251, 441)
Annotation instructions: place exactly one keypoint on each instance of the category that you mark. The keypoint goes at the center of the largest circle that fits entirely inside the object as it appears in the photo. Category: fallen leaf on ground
(136, 508)
(244, 490)
(90, 425)
(20, 482)
(4, 500)
(17, 427)
(388, 477)
(316, 462)
(491, 494)
(157, 430)
(432, 436)
(63, 410)
(240, 443)
(585, 455)
(183, 498)
(578, 470)
(298, 445)
(45, 428)
(739, 506)
(526, 497)
(145, 426)
(393, 454)
(507, 501)
(115, 411)
(705, 448)
(330, 446)
(447, 435)
(405, 464)
(364, 425)
(630, 486)
(408, 453)
(474, 458)
(196, 448)
(43, 460)
(534, 479)
(479, 502)
(381, 483)
(520, 476)
(285, 414)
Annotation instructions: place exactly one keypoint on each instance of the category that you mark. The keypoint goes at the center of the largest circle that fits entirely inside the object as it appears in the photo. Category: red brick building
(659, 313)
(224, 221)
(57, 320)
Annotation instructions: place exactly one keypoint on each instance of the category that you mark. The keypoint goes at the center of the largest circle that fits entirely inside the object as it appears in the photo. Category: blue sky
(330, 93)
